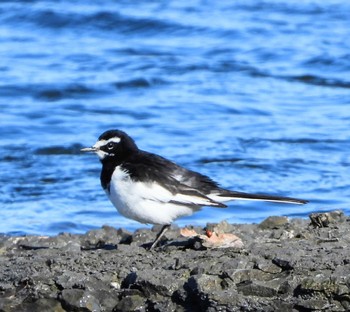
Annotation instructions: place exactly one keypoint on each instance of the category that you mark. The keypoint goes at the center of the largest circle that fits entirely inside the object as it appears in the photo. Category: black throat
(106, 174)
(109, 163)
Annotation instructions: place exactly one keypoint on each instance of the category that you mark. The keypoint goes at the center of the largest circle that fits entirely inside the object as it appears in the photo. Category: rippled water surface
(255, 94)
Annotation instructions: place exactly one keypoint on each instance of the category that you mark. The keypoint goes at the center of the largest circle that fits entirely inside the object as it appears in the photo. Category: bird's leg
(160, 234)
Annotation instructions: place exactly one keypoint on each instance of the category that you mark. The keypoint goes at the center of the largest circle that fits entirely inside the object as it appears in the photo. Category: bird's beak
(89, 149)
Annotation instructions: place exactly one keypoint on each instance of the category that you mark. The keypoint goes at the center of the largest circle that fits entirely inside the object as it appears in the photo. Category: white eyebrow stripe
(115, 140)
(104, 142)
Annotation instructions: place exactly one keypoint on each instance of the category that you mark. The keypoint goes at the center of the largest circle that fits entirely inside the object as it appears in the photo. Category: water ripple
(251, 93)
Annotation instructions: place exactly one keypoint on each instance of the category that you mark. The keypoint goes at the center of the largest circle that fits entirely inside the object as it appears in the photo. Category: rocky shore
(284, 265)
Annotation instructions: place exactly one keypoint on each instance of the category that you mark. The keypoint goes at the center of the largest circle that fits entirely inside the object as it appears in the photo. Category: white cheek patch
(101, 154)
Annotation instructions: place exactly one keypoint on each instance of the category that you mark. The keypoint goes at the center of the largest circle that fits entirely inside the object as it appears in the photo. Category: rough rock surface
(285, 265)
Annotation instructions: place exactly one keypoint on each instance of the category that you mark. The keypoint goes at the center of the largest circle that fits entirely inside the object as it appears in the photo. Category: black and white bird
(153, 190)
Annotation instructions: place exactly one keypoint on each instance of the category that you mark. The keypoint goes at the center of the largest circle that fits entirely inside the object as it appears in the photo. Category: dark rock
(131, 303)
(197, 271)
(142, 236)
(79, 300)
(108, 298)
(285, 265)
(40, 305)
(204, 283)
(269, 267)
(162, 305)
(317, 287)
(107, 236)
(153, 282)
(195, 243)
(125, 236)
(72, 247)
(239, 276)
(260, 288)
(71, 280)
(314, 305)
(274, 222)
(60, 241)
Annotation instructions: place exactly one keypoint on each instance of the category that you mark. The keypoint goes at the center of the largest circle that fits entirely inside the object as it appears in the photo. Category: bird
(151, 189)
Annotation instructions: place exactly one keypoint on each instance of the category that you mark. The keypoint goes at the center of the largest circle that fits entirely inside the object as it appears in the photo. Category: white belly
(145, 203)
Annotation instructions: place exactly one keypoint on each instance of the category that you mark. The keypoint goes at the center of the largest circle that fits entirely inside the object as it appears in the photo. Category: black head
(113, 145)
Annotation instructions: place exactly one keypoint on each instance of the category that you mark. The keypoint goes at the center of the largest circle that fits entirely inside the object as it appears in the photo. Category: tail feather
(230, 195)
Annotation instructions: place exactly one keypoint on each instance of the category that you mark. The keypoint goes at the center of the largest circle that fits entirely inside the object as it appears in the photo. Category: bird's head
(112, 145)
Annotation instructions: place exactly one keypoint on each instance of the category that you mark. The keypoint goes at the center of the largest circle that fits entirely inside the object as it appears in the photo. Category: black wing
(144, 166)
(187, 184)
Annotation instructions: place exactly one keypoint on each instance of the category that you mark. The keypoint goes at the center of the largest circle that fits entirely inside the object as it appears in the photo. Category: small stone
(274, 222)
(71, 280)
(258, 288)
(161, 306)
(197, 270)
(131, 303)
(283, 264)
(115, 285)
(107, 236)
(76, 299)
(268, 267)
(142, 236)
(318, 284)
(125, 236)
(72, 247)
(326, 218)
(204, 283)
(312, 305)
(89, 302)
(153, 282)
(220, 228)
(242, 275)
(108, 299)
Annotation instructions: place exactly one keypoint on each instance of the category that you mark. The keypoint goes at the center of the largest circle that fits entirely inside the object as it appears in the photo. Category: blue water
(255, 94)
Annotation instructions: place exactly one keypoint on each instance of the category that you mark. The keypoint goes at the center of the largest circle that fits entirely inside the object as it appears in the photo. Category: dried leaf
(214, 240)
(188, 232)
(222, 241)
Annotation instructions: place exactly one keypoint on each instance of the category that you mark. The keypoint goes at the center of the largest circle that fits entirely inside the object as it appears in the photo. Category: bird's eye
(110, 145)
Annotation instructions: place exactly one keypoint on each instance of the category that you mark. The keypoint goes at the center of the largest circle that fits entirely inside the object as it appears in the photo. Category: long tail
(231, 195)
